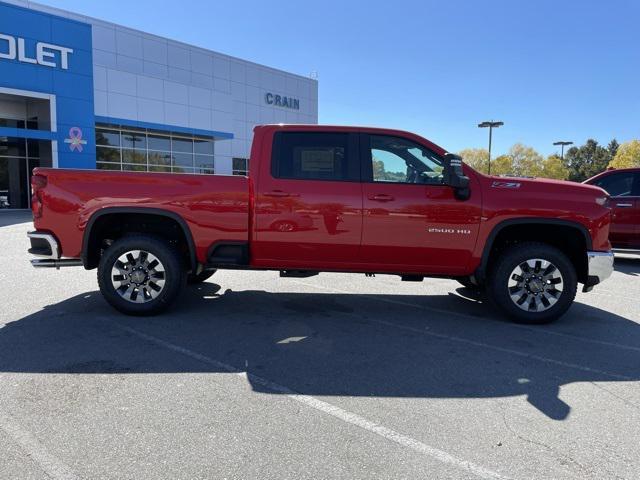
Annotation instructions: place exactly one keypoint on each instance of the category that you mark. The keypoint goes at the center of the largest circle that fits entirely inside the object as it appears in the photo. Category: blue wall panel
(72, 87)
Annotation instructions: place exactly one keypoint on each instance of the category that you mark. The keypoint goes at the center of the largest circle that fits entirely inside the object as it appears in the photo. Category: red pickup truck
(323, 198)
(623, 185)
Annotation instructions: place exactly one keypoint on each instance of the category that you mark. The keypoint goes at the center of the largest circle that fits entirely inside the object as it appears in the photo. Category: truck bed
(215, 207)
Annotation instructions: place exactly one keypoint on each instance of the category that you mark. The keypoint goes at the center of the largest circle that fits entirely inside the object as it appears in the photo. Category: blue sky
(551, 70)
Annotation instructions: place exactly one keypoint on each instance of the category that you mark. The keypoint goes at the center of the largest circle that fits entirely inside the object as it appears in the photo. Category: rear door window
(315, 156)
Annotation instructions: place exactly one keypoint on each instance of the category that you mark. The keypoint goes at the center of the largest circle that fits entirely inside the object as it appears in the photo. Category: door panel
(421, 229)
(624, 222)
(308, 211)
(622, 186)
(411, 221)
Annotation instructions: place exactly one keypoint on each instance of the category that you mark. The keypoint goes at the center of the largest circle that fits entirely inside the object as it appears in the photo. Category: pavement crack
(558, 455)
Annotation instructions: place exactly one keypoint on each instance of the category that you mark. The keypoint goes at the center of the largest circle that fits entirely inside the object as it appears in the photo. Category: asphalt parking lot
(335, 376)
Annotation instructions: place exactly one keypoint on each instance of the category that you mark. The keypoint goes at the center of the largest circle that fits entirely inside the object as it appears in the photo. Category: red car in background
(623, 186)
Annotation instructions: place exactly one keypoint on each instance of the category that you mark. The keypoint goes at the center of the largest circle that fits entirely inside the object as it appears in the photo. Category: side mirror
(454, 177)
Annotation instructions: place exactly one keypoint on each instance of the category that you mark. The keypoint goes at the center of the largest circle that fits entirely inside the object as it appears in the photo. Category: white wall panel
(99, 78)
(179, 57)
(149, 87)
(199, 97)
(104, 38)
(150, 110)
(176, 93)
(100, 103)
(154, 51)
(128, 44)
(200, 118)
(122, 106)
(121, 82)
(175, 114)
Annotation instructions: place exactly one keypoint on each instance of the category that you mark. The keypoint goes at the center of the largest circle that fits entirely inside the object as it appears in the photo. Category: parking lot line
(52, 466)
(519, 353)
(325, 407)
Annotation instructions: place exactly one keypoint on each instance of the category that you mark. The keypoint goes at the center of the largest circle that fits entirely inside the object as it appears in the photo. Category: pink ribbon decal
(75, 139)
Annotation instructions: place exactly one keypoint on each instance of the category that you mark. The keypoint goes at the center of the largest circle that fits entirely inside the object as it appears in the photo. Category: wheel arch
(514, 230)
(89, 256)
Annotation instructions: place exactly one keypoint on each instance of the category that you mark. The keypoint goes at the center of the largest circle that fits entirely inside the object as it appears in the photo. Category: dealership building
(77, 92)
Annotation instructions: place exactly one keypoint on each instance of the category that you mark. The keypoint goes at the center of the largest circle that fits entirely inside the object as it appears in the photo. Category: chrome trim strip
(629, 251)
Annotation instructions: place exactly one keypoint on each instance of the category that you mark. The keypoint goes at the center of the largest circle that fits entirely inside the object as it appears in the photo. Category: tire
(532, 283)
(148, 260)
(194, 279)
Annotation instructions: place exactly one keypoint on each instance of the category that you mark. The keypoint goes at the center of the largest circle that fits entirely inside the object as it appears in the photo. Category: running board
(629, 251)
(51, 263)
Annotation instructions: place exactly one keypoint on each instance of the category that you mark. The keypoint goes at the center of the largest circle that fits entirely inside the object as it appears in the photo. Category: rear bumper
(600, 267)
(46, 246)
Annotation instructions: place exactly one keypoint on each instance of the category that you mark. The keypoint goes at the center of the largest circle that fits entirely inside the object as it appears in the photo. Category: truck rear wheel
(533, 283)
(140, 275)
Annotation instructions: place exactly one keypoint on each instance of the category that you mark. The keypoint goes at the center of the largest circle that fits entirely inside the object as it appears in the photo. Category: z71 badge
(505, 184)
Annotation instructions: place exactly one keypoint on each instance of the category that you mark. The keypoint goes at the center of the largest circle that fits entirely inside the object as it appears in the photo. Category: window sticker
(320, 161)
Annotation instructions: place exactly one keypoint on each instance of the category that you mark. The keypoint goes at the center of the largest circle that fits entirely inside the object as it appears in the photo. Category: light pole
(491, 126)
(562, 148)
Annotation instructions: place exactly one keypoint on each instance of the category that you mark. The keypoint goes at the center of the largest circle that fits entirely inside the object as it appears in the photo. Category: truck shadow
(431, 346)
(14, 217)
(629, 265)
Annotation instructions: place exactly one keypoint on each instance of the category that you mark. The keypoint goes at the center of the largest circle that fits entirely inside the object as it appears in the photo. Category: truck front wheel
(140, 275)
(532, 282)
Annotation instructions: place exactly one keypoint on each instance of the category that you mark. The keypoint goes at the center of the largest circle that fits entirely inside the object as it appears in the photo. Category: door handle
(280, 194)
(624, 205)
(381, 197)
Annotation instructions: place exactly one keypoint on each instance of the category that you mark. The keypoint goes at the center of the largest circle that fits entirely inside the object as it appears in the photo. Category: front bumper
(599, 268)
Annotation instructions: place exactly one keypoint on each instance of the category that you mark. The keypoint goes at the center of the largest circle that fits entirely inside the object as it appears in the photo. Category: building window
(141, 150)
(240, 166)
(18, 157)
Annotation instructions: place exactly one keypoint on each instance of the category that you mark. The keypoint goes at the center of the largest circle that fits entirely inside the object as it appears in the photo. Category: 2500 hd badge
(458, 231)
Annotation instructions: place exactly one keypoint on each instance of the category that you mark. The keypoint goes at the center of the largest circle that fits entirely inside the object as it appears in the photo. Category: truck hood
(544, 185)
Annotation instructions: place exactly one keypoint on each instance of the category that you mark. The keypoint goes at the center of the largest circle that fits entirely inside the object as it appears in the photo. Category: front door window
(617, 184)
(398, 160)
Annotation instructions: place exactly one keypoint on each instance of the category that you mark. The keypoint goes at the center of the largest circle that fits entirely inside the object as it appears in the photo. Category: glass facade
(18, 157)
(141, 150)
(240, 166)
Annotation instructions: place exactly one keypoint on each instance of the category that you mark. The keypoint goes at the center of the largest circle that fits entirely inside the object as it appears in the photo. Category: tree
(502, 165)
(554, 167)
(627, 155)
(525, 160)
(613, 147)
(586, 161)
(476, 158)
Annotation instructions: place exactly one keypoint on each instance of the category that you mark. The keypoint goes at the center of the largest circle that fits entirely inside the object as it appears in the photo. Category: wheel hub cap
(535, 285)
(138, 276)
